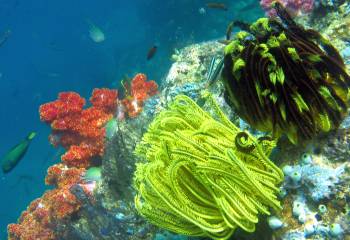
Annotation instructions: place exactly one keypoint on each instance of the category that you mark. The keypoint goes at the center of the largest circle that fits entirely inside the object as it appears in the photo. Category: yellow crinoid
(203, 176)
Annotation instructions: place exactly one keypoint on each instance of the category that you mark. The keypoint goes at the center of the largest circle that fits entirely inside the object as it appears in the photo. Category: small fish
(151, 52)
(202, 11)
(125, 82)
(211, 67)
(224, 41)
(4, 36)
(217, 5)
(213, 71)
(95, 33)
(12, 158)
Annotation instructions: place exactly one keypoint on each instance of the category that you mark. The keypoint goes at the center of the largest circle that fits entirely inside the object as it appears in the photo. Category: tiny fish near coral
(217, 5)
(151, 52)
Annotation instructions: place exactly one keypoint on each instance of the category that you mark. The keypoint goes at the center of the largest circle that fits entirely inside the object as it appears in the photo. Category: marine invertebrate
(318, 181)
(294, 7)
(82, 132)
(105, 99)
(322, 208)
(139, 90)
(282, 78)
(202, 175)
(79, 130)
(336, 230)
(274, 222)
(54, 207)
(316, 201)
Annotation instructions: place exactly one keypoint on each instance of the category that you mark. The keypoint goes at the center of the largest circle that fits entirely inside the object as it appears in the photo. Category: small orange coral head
(132, 107)
(140, 91)
(105, 99)
(68, 103)
(61, 176)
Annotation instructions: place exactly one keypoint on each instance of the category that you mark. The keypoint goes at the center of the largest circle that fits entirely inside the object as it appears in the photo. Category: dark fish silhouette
(12, 158)
(217, 5)
(151, 52)
(224, 41)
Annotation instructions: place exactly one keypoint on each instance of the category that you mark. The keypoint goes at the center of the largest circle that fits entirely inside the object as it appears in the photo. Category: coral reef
(314, 197)
(317, 180)
(95, 190)
(282, 78)
(200, 173)
(82, 132)
(294, 7)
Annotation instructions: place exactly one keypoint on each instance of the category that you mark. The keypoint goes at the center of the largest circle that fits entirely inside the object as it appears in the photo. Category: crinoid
(203, 176)
(282, 78)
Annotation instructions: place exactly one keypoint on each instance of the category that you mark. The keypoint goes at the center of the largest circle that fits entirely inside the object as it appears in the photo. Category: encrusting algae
(203, 176)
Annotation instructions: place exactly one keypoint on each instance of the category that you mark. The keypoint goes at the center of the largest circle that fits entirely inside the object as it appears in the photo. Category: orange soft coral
(60, 175)
(55, 206)
(80, 130)
(105, 99)
(140, 91)
(68, 103)
(38, 221)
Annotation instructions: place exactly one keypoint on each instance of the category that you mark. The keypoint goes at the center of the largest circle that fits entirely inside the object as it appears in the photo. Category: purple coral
(294, 7)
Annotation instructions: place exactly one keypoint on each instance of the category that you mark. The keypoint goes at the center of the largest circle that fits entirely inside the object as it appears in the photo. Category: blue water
(49, 51)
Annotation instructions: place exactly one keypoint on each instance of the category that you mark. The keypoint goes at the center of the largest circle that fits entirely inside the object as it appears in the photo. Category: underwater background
(46, 47)
(49, 51)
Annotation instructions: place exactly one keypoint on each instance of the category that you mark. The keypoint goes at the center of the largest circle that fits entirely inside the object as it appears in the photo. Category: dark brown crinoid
(283, 78)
